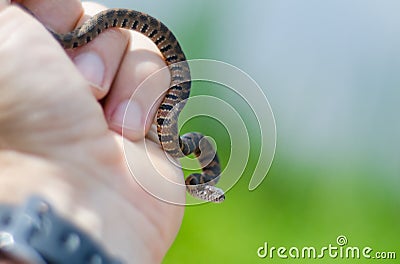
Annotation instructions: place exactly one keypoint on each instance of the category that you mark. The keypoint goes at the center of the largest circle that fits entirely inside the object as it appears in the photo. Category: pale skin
(58, 141)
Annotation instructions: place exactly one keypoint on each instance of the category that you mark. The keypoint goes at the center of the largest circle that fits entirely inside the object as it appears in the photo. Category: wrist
(24, 175)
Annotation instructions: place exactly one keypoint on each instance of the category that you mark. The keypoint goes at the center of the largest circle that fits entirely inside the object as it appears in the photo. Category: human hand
(58, 141)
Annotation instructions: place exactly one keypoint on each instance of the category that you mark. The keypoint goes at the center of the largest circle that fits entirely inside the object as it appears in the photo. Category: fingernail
(128, 115)
(91, 66)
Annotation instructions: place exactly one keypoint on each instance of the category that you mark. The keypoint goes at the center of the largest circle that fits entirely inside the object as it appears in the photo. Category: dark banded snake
(198, 185)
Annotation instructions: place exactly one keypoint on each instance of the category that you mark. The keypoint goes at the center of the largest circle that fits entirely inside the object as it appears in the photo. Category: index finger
(59, 16)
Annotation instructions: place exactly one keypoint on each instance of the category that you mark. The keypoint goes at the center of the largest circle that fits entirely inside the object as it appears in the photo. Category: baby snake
(198, 185)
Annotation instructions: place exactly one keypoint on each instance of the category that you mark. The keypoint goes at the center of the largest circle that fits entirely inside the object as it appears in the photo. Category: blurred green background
(330, 70)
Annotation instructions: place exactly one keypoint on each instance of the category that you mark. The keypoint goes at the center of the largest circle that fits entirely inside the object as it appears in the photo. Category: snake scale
(198, 185)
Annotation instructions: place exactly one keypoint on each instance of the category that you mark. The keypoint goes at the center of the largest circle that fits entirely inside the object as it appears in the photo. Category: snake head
(206, 192)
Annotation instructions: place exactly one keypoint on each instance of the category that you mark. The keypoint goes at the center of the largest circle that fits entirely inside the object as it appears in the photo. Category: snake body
(198, 185)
